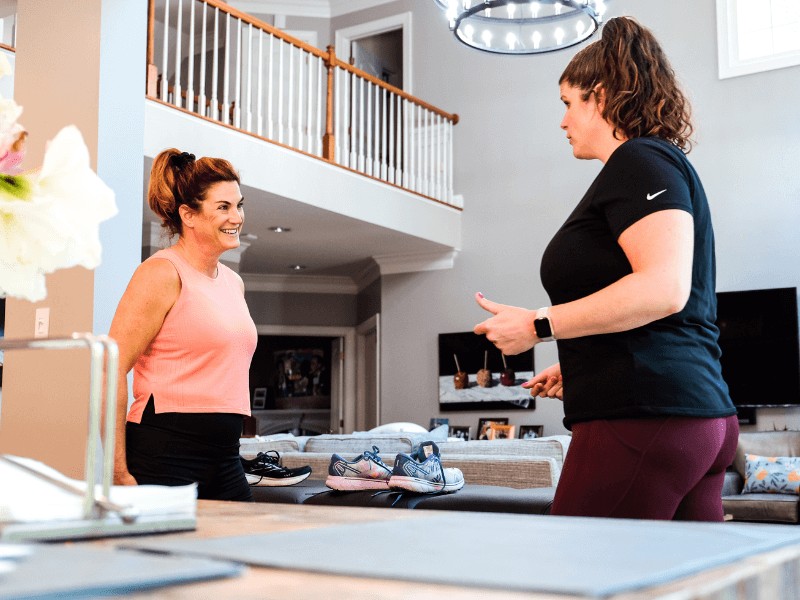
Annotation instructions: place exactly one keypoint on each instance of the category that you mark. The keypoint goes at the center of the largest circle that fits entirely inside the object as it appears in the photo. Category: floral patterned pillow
(771, 474)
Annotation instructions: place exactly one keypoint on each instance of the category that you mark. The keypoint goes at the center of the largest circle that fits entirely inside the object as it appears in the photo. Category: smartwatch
(542, 326)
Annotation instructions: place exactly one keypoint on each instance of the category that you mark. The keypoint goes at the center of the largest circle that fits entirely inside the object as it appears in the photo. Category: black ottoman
(474, 498)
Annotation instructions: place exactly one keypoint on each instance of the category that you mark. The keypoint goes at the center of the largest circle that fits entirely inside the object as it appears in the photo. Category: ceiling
(326, 243)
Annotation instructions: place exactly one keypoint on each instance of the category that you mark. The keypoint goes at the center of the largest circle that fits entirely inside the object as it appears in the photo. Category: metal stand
(101, 517)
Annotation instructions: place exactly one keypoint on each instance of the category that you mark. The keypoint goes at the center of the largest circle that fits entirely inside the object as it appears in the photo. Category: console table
(771, 574)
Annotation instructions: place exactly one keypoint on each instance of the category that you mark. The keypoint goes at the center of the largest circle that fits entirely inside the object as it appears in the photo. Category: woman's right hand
(547, 383)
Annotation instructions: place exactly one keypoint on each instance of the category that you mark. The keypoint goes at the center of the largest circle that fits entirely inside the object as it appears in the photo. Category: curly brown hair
(641, 92)
(177, 178)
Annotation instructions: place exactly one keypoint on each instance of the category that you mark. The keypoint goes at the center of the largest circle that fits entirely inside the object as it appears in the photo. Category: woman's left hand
(511, 327)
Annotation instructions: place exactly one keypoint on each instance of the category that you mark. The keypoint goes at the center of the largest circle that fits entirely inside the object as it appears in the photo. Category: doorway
(368, 369)
(382, 48)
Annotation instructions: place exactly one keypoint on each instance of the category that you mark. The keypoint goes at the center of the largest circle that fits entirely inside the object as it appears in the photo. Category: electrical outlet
(41, 326)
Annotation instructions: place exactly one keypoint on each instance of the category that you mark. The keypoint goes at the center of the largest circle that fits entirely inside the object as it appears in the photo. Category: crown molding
(322, 9)
(408, 263)
(302, 284)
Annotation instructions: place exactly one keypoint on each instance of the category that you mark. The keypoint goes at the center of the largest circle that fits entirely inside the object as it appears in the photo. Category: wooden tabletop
(774, 575)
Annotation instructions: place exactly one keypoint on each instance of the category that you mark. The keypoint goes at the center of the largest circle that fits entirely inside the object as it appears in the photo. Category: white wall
(520, 181)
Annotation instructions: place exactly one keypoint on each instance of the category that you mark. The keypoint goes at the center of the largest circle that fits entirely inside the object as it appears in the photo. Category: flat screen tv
(474, 375)
(758, 335)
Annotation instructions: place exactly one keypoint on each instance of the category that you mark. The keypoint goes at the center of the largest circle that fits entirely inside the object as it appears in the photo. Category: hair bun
(180, 161)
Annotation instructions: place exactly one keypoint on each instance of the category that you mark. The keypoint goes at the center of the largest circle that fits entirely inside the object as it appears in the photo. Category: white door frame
(402, 21)
(362, 329)
(343, 400)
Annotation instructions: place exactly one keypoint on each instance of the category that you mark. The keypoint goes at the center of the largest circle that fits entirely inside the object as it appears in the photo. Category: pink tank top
(199, 360)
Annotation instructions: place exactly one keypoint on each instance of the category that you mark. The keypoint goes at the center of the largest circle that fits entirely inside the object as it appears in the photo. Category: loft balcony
(359, 170)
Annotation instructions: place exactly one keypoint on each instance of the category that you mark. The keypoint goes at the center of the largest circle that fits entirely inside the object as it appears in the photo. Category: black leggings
(182, 448)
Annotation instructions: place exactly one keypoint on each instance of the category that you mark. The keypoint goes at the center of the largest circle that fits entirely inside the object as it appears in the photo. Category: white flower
(54, 223)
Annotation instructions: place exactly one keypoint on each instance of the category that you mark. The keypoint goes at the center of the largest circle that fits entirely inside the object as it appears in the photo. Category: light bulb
(469, 31)
(537, 38)
(511, 9)
(486, 36)
(600, 8)
(535, 9)
(580, 27)
(559, 33)
(511, 40)
(558, 7)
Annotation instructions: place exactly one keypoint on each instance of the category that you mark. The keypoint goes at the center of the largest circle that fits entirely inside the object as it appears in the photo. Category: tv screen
(474, 374)
(758, 335)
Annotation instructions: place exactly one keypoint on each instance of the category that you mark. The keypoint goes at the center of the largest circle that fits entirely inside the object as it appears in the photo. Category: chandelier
(522, 26)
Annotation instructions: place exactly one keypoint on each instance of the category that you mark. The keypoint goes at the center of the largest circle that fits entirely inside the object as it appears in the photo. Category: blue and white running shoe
(366, 472)
(422, 472)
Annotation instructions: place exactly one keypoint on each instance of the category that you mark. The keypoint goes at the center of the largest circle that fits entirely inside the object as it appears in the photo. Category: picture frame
(460, 431)
(260, 398)
(495, 431)
(483, 426)
(438, 421)
(527, 432)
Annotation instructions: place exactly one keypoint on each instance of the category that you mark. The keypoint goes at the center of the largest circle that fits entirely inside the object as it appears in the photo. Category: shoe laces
(268, 458)
(373, 455)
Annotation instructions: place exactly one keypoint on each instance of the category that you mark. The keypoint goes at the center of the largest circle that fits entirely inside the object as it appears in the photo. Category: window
(757, 35)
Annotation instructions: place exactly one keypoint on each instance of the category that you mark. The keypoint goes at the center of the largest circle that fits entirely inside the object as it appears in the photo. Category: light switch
(42, 323)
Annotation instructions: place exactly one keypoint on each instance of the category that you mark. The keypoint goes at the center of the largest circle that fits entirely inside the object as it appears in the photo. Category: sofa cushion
(553, 447)
(249, 447)
(766, 443)
(350, 446)
(768, 508)
(771, 474)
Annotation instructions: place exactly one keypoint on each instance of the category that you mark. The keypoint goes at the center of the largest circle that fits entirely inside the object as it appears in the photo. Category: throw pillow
(771, 474)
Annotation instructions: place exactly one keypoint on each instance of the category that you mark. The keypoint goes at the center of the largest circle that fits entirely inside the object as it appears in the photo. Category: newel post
(328, 140)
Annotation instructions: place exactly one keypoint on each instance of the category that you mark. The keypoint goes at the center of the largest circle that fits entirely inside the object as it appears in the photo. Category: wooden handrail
(7, 47)
(327, 57)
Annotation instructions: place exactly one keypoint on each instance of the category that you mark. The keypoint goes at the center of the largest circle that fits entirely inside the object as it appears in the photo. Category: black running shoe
(265, 470)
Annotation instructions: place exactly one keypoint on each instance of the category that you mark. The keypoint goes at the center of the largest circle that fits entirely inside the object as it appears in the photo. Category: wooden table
(770, 576)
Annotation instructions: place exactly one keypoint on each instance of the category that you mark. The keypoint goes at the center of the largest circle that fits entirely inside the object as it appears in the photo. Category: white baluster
(201, 99)
(369, 138)
(406, 145)
(361, 164)
(450, 162)
(290, 99)
(249, 107)
(225, 116)
(309, 102)
(215, 69)
(300, 80)
(176, 95)
(259, 86)
(270, 86)
(322, 107)
(164, 57)
(392, 157)
(237, 90)
(280, 90)
(190, 82)
(384, 167)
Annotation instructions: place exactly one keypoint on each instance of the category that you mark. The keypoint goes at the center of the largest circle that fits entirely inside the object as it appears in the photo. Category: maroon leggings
(663, 468)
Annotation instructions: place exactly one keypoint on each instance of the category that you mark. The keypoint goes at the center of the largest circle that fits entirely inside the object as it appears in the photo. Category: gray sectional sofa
(513, 463)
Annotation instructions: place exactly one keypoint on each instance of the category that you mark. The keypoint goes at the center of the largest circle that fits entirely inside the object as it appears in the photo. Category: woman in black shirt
(631, 277)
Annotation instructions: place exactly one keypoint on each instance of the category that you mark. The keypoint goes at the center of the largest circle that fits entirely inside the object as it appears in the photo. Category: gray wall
(519, 180)
(301, 309)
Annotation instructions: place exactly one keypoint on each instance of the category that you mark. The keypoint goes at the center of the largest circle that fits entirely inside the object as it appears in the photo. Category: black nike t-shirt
(667, 367)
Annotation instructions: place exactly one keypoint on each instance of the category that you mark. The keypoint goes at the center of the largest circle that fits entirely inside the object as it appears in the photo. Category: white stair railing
(212, 60)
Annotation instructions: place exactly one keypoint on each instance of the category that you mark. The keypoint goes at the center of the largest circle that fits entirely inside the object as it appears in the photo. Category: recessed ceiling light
(279, 229)
(297, 267)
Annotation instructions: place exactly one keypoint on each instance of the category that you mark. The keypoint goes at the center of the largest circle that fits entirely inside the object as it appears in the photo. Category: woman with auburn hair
(183, 326)
(631, 277)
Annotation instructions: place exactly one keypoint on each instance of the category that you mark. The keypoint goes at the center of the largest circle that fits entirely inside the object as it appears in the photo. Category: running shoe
(365, 472)
(266, 470)
(422, 472)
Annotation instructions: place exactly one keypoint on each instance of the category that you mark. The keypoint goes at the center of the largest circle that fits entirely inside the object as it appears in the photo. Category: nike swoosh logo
(651, 196)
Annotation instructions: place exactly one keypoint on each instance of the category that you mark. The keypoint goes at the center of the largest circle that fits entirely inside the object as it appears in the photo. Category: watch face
(542, 328)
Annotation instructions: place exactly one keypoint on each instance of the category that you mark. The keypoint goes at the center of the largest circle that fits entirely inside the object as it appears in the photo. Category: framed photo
(527, 432)
(475, 375)
(260, 397)
(496, 431)
(483, 426)
(460, 431)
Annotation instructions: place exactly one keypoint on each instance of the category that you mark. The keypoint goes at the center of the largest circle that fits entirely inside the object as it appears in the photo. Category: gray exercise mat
(533, 553)
(78, 571)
